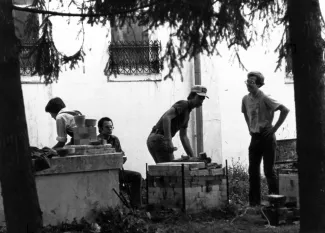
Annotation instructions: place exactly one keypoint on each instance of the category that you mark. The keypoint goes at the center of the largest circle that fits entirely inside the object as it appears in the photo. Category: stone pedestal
(74, 186)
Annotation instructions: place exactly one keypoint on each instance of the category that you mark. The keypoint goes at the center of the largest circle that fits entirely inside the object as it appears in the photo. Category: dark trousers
(133, 180)
(159, 149)
(261, 147)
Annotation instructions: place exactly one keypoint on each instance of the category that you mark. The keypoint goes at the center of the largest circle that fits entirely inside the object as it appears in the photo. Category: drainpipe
(198, 111)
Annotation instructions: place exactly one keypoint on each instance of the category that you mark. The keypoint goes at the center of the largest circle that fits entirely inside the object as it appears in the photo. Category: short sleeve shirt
(64, 122)
(260, 111)
(183, 110)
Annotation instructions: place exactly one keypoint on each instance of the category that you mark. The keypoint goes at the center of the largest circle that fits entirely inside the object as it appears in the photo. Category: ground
(223, 222)
(148, 220)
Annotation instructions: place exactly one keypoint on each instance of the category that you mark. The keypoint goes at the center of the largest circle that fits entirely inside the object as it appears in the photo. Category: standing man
(258, 110)
(175, 119)
(133, 178)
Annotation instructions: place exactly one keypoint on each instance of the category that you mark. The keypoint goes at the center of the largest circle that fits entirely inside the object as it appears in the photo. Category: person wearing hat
(258, 110)
(175, 119)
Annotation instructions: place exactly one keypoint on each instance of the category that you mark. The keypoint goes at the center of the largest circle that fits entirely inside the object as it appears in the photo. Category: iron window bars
(27, 60)
(134, 57)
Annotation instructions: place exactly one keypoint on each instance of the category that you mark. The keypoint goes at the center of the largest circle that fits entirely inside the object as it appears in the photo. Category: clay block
(179, 164)
(85, 133)
(217, 171)
(92, 129)
(80, 130)
(204, 172)
(167, 170)
(81, 141)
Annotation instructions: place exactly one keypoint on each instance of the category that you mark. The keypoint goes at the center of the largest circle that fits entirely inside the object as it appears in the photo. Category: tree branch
(32, 10)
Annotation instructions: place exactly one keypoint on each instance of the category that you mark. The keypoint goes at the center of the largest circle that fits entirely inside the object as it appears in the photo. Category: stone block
(202, 190)
(84, 133)
(81, 141)
(74, 186)
(289, 186)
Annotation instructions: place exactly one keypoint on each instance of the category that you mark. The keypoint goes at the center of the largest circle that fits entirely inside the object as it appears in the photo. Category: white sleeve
(61, 129)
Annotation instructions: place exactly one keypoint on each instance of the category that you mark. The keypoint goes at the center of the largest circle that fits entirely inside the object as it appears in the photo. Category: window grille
(27, 62)
(134, 57)
(27, 29)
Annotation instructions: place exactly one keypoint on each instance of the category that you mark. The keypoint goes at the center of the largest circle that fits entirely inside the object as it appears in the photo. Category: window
(131, 51)
(27, 25)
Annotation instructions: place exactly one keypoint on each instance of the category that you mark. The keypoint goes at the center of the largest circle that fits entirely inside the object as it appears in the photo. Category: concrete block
(81, 141)
(223, 187)
(217, 171)
(289, 186)
(203, 172)
(202, 190)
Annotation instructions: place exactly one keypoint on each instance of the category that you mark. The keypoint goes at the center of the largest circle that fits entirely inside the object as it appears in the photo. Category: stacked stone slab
(83, 135)
(204, 188)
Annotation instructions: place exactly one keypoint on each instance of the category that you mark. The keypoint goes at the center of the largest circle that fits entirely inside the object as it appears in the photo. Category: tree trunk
(20, 200)
(308, 71)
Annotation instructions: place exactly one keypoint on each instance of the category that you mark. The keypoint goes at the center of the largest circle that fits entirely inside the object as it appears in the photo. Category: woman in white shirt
(64, 120)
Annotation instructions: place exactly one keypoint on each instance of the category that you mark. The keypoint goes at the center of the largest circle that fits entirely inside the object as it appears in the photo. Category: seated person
(132, 178)
(64, 120)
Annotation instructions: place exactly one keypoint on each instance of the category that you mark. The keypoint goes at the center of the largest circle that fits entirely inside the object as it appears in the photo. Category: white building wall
(235, 135)
(134, 106)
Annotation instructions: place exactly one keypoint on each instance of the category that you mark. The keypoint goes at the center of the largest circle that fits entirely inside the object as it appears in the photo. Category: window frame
(147, 67)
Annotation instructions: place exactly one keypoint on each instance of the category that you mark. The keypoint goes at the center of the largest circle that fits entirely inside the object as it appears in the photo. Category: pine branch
(55, 13)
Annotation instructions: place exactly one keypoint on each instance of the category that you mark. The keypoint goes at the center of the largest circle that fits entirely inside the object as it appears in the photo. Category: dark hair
(259, 77)
(55, 105)
(191, 95)
(102, 120)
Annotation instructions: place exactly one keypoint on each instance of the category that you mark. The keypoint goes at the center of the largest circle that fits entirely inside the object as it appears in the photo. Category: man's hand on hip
(269, 131)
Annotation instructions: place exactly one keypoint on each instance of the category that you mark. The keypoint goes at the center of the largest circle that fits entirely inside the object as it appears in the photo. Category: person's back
(64, 120)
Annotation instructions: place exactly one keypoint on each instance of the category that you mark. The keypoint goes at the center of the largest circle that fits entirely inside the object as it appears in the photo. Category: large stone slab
(74, 186)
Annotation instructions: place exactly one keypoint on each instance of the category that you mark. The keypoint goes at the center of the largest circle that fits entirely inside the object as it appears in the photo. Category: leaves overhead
(196, 26)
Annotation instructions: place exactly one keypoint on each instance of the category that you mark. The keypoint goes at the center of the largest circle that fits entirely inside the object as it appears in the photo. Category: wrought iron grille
(27, 61)
(136, 57)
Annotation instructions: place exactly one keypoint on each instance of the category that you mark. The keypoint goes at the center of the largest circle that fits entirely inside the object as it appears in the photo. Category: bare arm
(283, 115)
(168, 116)
(247, 121)
(186, 142)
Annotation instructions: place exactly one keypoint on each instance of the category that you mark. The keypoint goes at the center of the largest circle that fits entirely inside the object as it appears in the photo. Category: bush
(239, 183)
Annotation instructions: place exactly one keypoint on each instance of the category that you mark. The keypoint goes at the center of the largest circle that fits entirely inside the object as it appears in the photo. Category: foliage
(239, 183)
(122, 220)
(47, 56)
(216, 220)
(196, 26)
(82, 225)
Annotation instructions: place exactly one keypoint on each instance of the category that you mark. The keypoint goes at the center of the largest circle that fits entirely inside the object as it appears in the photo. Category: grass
(232, 218)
